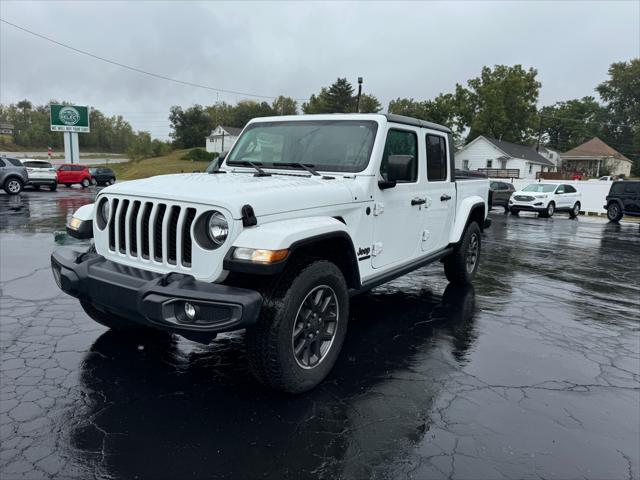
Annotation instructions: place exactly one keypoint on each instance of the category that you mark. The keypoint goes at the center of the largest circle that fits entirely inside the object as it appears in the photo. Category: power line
(139, 70)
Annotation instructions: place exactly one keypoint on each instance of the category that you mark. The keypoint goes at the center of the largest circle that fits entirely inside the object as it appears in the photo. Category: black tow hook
(172, 277)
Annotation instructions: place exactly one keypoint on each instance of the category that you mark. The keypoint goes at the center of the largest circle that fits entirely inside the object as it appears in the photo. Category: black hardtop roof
(416, 122)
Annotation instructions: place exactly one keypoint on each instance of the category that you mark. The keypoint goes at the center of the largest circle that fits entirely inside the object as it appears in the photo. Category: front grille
(523, 198)
(149, 230)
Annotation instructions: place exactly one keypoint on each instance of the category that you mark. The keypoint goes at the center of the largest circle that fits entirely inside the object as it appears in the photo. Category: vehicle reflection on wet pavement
(532, 373)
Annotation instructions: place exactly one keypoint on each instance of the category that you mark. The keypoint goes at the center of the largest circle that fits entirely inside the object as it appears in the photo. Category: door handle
(418, 201)
(445, 198)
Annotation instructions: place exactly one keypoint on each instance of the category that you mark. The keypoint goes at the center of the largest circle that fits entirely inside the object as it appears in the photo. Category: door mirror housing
(400, 168)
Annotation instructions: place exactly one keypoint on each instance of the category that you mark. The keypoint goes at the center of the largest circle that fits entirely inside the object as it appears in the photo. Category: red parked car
(68, 174)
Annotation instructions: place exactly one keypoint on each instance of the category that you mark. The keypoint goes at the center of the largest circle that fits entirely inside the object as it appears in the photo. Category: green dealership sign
(69, 118)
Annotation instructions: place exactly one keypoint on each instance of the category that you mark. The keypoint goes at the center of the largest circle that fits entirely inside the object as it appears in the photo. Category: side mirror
(399, 168)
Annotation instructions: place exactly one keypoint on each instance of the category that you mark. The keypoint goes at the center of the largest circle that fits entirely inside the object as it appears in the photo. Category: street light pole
(359, 93)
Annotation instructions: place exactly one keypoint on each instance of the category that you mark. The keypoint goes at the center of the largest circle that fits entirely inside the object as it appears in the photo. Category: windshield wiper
(308, 167)
(259, 171)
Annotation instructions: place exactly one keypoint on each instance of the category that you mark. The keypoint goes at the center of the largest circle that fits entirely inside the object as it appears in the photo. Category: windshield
(334, 145)
(540, 187)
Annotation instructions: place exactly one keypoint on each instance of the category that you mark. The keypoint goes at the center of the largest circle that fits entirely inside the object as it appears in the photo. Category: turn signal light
(260, 256)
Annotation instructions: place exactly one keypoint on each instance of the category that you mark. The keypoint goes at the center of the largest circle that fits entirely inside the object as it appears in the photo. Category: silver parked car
(13, 175)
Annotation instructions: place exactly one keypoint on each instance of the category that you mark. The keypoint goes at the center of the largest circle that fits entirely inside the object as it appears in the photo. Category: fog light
(190, 311)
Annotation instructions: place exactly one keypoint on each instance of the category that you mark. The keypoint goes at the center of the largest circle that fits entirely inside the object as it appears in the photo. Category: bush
(200, 155)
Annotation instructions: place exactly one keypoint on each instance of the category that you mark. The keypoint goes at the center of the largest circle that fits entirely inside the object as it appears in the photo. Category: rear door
(397, 224)
(63, 174)
(631, 198)
(440, 193)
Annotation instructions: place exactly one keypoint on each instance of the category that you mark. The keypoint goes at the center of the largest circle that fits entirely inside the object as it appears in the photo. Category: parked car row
(15, 174)
(549, 198)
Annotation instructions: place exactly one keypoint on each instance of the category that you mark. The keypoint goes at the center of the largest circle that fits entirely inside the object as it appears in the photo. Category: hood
(267, 195)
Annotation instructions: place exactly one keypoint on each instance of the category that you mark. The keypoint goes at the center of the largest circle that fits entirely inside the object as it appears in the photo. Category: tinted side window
(14, 162)
(77, 168)
(2, 164)
(436, 158)
(400, 142)
(631, 187)
(560, 189)
(617, 188)
(569, 189)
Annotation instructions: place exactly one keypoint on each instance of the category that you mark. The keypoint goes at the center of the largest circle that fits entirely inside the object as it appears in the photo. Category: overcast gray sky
(269, 48)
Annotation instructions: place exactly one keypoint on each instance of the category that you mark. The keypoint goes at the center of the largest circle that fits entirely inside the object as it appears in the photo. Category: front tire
(85, 182)
(302, 327)
(548, 213)
(514, 212)
(461, 266)
(13, 186)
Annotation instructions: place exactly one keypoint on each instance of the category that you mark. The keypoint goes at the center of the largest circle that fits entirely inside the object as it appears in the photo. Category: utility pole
(359, 93)
(539, 134)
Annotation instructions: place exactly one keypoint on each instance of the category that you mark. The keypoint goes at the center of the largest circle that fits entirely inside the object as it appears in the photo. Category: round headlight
(217, 228)
(105, 210)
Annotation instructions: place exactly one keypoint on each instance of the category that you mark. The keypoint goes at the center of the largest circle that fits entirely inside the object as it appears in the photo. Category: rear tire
(575, 211)
(461, 266)
(13, 186)
(53, 187)
(614, 212)
(85, 183)
(301, 329)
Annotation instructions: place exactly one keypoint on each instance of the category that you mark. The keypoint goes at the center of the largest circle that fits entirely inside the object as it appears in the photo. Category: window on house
(530, 167)
(465, 164)
(489, 163)
(436, 158)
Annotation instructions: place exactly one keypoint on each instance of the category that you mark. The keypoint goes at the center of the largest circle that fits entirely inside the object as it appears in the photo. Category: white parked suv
(303, 213)
(546, 199)
(41, 173)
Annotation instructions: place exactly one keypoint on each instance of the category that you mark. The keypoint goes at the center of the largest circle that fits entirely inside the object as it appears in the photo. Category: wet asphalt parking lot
(532, 373)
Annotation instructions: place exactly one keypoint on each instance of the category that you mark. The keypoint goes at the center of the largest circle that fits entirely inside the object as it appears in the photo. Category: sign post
(71, 120)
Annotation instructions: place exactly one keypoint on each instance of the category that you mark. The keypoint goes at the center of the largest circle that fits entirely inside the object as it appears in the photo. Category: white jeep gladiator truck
(276, 236)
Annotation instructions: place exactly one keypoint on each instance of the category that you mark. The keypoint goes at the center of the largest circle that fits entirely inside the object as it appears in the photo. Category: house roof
(594, 148)
(231, 130)
(513, 150)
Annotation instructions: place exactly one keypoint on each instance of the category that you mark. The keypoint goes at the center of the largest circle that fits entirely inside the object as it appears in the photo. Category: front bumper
(154, 299)
(528, 207)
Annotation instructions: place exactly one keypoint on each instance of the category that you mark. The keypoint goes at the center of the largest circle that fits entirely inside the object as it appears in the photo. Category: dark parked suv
(13, 175)
(103, 176)
(623, 199)
(499, 194)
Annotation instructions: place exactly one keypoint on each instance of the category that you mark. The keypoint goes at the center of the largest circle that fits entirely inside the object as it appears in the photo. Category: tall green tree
(190, 126)
(338, 98)
(246, 110)
(621, 94)
(568, 124)
(501, 103)
(442, 110)
(284, 106)
(369, 104)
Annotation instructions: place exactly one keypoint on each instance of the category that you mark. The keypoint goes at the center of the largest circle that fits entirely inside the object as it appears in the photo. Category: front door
(440, 192)
(398, 210)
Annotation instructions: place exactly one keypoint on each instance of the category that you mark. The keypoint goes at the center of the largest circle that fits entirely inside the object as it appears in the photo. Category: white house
(498, 158)
(222, 138)
(552, 155)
